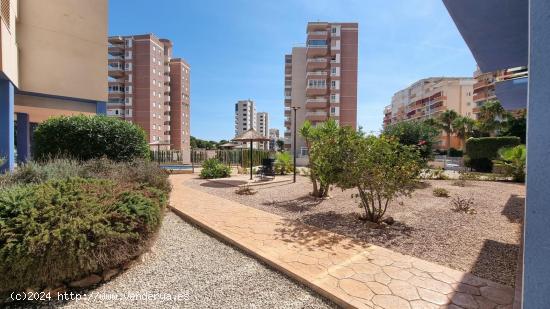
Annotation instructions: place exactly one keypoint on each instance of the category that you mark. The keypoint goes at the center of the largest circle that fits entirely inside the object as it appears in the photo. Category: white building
(262, 119)
(245, 116)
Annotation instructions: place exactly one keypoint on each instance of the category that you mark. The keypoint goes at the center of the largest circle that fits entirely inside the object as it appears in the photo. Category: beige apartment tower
(428, 98)
(150, 88)
(321, 80)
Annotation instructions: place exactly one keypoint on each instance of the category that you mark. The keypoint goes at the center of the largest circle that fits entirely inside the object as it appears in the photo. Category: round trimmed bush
(88, 137)
(59, 231)
(213, 168)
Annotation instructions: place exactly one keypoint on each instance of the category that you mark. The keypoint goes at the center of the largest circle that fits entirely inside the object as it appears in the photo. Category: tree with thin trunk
(445, 122)
(463, 128)
(380, 169)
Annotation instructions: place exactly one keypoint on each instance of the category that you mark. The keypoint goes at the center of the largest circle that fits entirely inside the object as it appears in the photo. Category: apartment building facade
(151, 89)
(428, 98)
(262, 127)
(321, 80)
(45, 48)
(245, 116)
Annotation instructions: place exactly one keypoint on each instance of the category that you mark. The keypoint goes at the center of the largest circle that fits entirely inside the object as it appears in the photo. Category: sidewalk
(350, 273)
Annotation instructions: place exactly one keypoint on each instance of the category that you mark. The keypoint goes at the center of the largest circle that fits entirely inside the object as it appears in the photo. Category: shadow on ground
(300, 204)
(223, 183)
(513, 209)
(497, 261)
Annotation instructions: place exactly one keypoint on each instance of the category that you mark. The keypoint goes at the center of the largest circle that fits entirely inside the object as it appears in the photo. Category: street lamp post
(295, 108)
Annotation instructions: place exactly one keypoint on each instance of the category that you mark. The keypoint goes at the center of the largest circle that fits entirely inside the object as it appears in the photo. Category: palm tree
(463, 128)
(489, 117)
(446, 124)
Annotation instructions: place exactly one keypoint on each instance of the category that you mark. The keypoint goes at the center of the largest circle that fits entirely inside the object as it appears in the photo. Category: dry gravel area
(485, 244)
(203, 272)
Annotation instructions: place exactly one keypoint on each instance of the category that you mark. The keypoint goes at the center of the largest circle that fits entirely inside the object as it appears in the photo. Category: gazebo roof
(251, 135)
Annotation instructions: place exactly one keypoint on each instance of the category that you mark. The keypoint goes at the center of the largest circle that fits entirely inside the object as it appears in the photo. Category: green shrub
(88, 137)
(283, 163)
(138, 171)
(513, 161)
(440, 192)
(213, 168)
(64, 229)
(453, 152)
(414, 133)
(481, 151)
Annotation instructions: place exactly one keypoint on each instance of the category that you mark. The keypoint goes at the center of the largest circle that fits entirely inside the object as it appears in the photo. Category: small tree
(324, 143)
(464, 128)
(446, 124)
(381, 169)
(414, 133)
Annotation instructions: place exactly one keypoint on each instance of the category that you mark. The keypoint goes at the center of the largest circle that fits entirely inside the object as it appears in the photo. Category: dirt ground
(485, 243)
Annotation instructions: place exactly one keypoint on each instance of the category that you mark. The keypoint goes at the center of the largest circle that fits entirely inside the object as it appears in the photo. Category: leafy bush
(481, 151)
(65, 229)
(89, 137)
(213, 168)
(414, 133)
(440, 192)
(283, 163)
(245, 190)
(138, 171)
(513, 160)
(381, 169)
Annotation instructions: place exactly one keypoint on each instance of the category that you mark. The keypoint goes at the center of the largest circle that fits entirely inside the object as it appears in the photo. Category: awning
(496, 31)
(512, 94)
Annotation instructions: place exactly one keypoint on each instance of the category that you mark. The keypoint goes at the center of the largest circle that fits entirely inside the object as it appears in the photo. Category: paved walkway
(351, 273)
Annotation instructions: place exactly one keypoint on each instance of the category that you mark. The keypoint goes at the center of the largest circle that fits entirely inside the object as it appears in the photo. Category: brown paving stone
(501, 296)
(382, 278)
(422, 304)
(403, 289)
(356, 288)
(433, 297)
(390, 302)
(397, 273)
(378, 288)
(350, 273)
(463, 300)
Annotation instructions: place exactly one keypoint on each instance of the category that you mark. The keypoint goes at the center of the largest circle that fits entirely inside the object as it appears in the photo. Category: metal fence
(234, 157)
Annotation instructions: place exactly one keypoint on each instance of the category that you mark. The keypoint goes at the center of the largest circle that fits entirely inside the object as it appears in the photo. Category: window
(317, 42)
(154, 71)
(316, 83)
(154, 93)
(333, 71)
(303, 151)
(333, 84)
(333, 29)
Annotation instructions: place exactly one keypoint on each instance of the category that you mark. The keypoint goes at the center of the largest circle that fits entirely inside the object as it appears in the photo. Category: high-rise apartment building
(150, 88)
(428, 98)
(262, 119)
(245, 116)
(52, 63)
(321, 79)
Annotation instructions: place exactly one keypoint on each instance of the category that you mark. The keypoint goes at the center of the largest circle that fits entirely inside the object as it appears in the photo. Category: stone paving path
(349, 272)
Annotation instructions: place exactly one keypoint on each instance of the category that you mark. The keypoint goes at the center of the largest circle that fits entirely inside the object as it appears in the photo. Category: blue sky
(236, 49)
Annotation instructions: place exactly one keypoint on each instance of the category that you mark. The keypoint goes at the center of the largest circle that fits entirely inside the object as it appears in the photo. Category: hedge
(481, 151)
(62, 230)
(88, 137)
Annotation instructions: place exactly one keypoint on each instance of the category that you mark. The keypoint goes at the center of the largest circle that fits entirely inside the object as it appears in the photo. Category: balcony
(316, 50)
(166, 99)
(316, 116)
(316, 26)
(317, 35)
(316, 103)
(316, 91)
(116, 71)
(317, 63)
(167, 90)
(116, 49)
(317, 74)
(287, 111)
(166, 80)
(483, 96)
(481, 84)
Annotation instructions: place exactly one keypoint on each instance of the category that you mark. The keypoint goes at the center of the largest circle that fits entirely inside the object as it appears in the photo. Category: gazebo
(251, 136)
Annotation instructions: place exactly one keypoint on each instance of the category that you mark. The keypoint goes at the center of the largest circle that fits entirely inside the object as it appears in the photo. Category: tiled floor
(351, 273)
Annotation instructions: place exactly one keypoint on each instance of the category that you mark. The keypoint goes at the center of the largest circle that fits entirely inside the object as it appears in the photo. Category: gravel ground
(204, 273)
(485, 244)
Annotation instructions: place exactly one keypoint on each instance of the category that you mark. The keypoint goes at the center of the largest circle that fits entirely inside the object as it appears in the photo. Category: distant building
(262, 126)
(428, 98)
(321, 79)
(150, 88)
(245, 116)
(273, 138)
